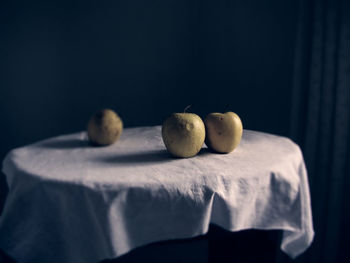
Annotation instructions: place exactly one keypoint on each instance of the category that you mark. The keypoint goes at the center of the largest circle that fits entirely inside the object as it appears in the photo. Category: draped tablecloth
(72, 202)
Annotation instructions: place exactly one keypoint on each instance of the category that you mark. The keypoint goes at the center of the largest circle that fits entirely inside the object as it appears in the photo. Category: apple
(104, 127)
(183, 134)
(223, 131)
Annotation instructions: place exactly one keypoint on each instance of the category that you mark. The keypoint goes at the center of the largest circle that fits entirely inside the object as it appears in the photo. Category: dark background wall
(63, 60)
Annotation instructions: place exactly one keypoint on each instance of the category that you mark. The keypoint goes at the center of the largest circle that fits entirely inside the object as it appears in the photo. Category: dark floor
(219, 246)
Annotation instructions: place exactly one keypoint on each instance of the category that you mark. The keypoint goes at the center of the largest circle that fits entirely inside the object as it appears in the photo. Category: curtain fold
(320, 118)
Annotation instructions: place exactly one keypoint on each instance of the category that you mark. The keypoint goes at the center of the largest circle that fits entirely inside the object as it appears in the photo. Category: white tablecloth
(71, 202)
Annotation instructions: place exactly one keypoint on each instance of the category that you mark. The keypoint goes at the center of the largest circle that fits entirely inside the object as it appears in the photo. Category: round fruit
(223, 131)
(183, 134)
(104, 127)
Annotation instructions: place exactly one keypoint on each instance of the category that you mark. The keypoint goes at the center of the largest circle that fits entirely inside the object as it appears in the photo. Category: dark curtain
(320, 122)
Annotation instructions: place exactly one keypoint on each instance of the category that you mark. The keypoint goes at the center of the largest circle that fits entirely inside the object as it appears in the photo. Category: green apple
(223, 131)
(183, 134)
(104, 127)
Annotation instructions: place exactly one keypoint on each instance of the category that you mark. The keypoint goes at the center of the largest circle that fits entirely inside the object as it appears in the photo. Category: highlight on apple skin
(223, 131)
(183, 134)
(104, 127)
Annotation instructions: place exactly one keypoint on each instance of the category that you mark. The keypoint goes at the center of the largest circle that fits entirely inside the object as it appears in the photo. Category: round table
(69, 201)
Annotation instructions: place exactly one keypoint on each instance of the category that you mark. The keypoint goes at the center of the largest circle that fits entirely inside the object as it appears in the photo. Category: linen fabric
(69, 201)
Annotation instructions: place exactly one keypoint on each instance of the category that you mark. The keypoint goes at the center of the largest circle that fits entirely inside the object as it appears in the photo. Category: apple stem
(226, 107)
(189, 106)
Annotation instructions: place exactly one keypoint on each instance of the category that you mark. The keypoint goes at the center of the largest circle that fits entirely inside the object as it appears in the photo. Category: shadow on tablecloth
(154, 156)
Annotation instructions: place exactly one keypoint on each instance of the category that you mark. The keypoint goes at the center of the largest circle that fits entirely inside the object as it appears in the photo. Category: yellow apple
(223, 131)
(183, 134)
(104, 127)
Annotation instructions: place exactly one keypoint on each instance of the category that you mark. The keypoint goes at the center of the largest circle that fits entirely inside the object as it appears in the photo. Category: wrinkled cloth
(72, 202)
